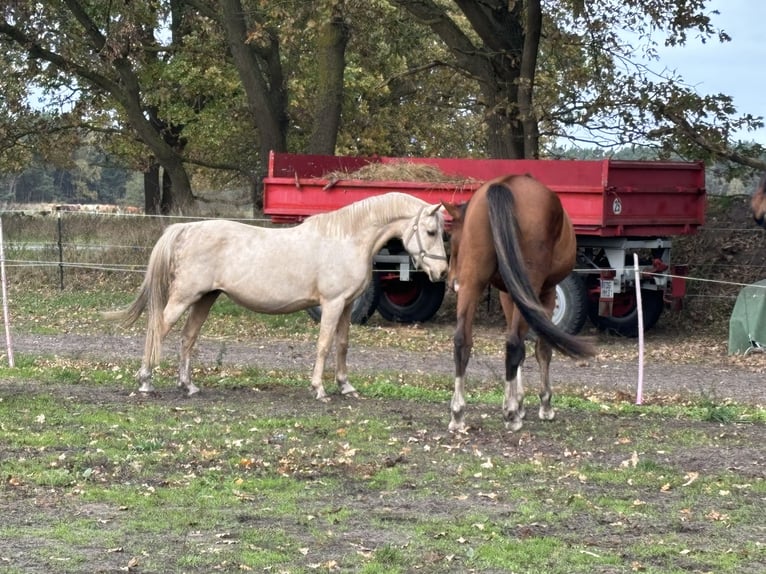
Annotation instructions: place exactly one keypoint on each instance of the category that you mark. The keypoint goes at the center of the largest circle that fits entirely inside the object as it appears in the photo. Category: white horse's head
(424, 241)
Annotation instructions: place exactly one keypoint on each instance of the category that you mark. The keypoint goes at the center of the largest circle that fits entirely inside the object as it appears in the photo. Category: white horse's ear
(433, 210)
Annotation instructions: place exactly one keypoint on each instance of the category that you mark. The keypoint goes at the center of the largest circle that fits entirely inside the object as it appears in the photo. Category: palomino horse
(758, 202)
(515, 235)
(326, 260)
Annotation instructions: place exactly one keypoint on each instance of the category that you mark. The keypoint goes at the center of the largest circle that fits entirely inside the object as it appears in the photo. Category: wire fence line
(65, 241)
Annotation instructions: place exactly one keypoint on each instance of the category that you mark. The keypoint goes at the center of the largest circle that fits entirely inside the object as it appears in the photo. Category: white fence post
(640, 312)
(6, 318)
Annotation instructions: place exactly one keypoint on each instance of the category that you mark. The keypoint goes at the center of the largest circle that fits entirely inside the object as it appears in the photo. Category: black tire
(414, 301)
(624, 321)
(571, 309)
(363, 307)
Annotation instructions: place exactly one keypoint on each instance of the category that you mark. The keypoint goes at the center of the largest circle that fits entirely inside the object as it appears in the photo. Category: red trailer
(618, 208)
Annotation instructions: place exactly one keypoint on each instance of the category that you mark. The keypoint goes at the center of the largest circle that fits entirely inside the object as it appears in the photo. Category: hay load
(396, 171)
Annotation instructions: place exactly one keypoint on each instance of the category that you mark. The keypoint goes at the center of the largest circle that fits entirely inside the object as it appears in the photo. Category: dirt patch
(672, 370)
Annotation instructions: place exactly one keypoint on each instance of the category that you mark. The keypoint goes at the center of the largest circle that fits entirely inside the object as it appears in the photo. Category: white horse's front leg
(331, 312)
(341, 353)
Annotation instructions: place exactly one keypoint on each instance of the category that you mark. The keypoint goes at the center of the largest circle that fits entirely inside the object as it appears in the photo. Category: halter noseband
(414, 231)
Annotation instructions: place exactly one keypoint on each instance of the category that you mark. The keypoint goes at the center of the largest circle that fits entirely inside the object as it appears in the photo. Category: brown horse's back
(546, 235)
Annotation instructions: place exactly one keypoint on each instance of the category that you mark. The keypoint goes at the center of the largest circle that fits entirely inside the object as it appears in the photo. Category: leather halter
(422, 253)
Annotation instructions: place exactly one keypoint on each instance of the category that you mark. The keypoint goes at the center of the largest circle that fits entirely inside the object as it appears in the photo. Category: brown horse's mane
(374, 211)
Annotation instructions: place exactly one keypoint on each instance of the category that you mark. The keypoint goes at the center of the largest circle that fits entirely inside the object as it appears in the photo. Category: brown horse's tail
(153, 295)
(505, 234)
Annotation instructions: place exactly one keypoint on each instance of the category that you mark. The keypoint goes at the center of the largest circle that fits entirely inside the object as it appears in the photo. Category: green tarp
(747, 325)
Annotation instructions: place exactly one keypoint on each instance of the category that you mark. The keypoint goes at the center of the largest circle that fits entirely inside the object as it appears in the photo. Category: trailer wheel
(571, 309)
(624, 319)
(363, 307)
(414, 301)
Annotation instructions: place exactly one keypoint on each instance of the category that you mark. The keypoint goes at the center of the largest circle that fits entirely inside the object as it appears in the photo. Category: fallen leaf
(690, 478)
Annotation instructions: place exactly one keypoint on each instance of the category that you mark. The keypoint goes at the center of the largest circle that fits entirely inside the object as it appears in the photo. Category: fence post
(61, 247)
(640, 312)
(6, 318)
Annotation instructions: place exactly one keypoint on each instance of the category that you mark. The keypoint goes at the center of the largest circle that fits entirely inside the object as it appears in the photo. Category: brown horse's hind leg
(341, 353)
(463, 341)
(513, 399)
(197, 315)
(543, 354)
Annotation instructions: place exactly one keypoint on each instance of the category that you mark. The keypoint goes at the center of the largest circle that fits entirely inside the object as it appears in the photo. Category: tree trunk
(503, 63)
(331, 63)
(152, 190)
(260, 70)
(166, 203)
(528, 117)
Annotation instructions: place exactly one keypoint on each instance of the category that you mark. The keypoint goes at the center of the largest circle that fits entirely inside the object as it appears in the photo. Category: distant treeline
(90, 178)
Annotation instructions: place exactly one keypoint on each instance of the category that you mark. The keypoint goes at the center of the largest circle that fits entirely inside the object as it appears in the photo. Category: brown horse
(758, 202)
(515, 235)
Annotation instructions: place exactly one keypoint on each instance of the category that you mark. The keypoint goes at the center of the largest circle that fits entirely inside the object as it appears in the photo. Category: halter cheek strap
(414, 231)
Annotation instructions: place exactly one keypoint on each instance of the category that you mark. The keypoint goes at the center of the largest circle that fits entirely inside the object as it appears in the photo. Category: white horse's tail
(153, 295)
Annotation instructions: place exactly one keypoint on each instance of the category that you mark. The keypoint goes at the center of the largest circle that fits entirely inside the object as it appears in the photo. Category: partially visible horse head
(758, 202)
(457, 212)
(425, 242)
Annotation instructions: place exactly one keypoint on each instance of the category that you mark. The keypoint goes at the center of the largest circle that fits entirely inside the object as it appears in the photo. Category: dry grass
(398, 171)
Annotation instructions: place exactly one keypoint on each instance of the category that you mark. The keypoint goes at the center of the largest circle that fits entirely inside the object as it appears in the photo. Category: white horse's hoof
(457, 427)
(547, 414)
(514, 425)
(347, 390)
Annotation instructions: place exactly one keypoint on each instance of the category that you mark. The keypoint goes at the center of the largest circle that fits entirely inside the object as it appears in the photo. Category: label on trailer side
(607, 289)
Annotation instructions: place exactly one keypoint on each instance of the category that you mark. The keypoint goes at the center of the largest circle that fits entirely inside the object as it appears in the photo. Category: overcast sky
(736, 68)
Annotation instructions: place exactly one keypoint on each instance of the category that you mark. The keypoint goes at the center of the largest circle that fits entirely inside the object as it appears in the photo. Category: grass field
(256, 475)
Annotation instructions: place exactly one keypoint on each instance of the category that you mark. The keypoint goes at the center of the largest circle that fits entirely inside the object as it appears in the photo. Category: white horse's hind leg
(341, 353)
(169, 316)
(145, 379)
(197, 316)
(331, 312)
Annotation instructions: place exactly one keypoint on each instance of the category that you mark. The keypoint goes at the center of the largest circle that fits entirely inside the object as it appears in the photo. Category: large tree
(98, 54)
(565, 69)
(204, 84)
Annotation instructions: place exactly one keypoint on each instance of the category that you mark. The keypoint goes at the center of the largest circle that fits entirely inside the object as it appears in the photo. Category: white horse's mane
(371, 212)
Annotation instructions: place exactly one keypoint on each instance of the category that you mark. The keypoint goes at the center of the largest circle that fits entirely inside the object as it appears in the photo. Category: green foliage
(410, 87)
